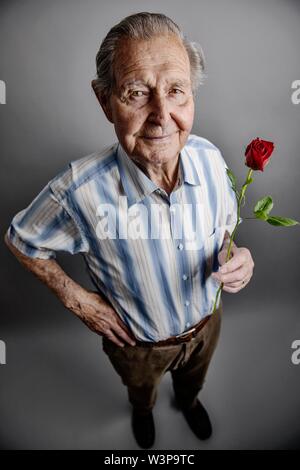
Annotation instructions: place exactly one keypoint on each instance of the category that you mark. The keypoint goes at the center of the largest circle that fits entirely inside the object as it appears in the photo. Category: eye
(137, 93)
(176, 91)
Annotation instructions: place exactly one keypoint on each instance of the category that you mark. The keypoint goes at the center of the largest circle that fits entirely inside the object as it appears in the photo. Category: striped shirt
(151, 254)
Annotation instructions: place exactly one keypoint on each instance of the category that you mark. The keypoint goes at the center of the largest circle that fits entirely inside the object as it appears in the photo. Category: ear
(103, 101)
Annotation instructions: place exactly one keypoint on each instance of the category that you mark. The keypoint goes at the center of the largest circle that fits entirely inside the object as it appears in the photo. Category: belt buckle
(185, 335)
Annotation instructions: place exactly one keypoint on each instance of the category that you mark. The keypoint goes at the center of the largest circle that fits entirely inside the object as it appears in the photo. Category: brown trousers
(142, 368)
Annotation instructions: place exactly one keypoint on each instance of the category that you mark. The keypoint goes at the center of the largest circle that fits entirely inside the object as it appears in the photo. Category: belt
(182, 338)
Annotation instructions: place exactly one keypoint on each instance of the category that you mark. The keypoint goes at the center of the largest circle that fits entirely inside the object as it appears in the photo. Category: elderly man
(151, 216)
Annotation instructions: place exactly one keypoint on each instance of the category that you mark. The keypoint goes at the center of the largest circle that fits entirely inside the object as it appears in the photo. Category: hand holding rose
(237, 272)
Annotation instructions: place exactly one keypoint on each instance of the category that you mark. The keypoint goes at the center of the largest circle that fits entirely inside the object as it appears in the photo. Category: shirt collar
(188, 166)
(137, 185)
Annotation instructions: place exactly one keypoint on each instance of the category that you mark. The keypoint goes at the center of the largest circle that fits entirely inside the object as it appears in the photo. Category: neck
(164, 175)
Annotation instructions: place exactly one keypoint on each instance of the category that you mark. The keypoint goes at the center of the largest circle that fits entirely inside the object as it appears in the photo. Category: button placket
(182, 260)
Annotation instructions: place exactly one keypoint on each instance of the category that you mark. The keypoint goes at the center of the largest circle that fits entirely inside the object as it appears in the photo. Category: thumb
(223, 254)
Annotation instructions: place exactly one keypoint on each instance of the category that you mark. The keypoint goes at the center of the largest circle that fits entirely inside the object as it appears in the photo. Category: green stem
(244, 187)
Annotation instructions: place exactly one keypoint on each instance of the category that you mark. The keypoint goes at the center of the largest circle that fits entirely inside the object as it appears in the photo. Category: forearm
(49, 272)
(89, 306)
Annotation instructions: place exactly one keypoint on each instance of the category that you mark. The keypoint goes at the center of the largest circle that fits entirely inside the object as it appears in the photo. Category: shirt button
(187, 303)
(180, 246)
(188, 324)
(184, 277)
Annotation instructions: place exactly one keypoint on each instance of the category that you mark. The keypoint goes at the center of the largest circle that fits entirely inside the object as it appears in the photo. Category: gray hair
(143, 26)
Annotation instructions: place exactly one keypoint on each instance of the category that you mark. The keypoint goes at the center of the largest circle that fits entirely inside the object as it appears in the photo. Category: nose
(159, 110)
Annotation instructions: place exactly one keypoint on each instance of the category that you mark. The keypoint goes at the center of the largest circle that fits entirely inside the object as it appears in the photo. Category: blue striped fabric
(151, 254)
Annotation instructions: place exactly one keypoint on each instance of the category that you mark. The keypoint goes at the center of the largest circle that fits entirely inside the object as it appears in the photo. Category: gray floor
(58, 390)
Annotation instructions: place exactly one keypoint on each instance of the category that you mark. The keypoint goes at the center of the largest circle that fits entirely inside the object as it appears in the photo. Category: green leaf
(261, 215)
(281, 221)
(264, 205)
(232, 178)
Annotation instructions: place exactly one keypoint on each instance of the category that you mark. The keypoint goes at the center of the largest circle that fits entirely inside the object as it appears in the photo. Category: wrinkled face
(152, 106)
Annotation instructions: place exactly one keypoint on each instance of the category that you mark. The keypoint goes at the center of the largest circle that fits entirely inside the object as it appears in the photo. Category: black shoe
(143, 429)
(198, 420)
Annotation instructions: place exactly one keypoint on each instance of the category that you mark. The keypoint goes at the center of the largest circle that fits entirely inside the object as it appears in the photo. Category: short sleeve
(45, 227)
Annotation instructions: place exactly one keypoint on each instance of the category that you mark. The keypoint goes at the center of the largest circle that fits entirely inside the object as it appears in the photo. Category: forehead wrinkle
(148, 83)
(164, 67)
(147, 61)
(150, 78)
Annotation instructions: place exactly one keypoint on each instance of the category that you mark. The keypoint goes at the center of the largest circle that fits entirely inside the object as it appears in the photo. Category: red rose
(258, 154)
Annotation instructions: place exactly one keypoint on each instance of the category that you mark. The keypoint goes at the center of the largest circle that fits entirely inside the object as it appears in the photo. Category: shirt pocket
(214, 239)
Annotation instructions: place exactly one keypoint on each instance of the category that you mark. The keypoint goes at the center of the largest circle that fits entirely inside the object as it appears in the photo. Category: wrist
(70, 294)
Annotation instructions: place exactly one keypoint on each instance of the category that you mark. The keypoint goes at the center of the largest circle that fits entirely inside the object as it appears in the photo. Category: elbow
(6, 240)
(9, 244)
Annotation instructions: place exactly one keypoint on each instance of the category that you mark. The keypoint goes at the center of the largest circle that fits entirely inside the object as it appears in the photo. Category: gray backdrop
(58, 389)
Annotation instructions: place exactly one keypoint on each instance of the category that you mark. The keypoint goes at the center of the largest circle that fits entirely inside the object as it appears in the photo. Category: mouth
(158, 138)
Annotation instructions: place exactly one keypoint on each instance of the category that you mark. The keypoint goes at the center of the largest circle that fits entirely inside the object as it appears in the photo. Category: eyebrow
(172, 82)
(128, 83)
